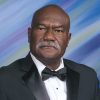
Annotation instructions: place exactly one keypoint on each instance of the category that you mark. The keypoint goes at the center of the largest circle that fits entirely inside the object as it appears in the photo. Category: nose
(49, 35)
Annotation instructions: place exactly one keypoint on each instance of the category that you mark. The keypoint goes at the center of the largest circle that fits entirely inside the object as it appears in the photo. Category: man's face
(49, 36)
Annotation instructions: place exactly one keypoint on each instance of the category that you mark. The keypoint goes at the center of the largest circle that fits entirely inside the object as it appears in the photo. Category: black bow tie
(47, 73)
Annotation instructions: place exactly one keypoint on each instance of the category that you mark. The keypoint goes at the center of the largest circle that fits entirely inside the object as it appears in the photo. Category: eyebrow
(59, 26)
(40, 24)
(54, 26)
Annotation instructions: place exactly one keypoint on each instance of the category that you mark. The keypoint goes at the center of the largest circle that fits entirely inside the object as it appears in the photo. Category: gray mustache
(48, 43)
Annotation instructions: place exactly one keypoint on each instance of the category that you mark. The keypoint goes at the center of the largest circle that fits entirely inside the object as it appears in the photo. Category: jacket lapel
(36, 85)
(34, 82)
(72, 82)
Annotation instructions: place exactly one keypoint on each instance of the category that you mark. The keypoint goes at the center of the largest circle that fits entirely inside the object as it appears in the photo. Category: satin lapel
(34, 82)
(72, 83)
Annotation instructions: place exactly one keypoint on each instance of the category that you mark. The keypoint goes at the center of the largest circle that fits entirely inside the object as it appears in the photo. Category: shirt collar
(40, 66)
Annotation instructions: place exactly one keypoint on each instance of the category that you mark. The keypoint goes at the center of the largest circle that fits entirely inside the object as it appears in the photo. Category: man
(48, 37)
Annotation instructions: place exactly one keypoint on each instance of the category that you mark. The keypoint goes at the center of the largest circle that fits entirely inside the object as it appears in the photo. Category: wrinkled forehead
(51, 15)
(52, 20)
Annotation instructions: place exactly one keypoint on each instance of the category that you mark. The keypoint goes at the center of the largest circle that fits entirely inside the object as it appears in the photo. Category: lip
(47, 47)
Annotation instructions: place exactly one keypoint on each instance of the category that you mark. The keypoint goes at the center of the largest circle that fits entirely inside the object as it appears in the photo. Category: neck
(51, 64)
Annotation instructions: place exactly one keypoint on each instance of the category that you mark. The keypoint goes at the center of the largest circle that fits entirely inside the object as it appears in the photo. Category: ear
(29, 34)
(69, 37)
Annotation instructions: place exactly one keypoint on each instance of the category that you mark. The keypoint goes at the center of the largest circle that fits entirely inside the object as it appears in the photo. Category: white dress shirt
(56, 88)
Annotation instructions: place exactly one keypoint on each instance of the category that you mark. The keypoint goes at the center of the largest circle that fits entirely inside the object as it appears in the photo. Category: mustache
(48, 43)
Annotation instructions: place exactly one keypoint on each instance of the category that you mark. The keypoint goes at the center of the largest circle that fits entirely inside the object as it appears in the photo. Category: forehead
(52, 18)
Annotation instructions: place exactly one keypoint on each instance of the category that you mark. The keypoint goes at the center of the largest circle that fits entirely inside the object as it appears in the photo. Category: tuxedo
(21, 81)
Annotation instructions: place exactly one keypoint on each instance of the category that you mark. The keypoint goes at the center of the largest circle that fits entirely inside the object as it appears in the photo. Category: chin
(50, 57)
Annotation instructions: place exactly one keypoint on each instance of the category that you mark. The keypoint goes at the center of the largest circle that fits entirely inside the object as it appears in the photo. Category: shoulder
(12, 70)
(80, 68)
(13, 66)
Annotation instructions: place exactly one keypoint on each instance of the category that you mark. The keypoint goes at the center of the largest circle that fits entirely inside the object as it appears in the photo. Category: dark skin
(51, 27)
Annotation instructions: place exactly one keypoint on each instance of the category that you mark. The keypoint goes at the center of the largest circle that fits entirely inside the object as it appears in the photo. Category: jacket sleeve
(2, 95)
(97, 97)
(2, 92)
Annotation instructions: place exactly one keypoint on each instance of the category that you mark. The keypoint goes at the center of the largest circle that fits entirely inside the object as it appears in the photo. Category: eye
(59, 30)
(41, 27)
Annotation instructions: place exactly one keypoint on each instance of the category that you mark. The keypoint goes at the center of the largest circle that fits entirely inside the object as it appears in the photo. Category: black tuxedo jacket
(21, 81)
